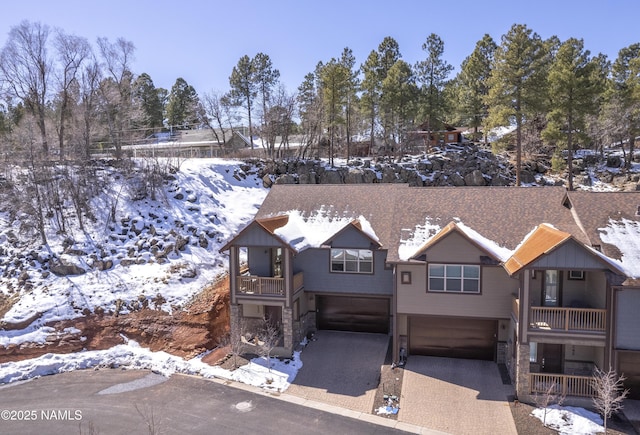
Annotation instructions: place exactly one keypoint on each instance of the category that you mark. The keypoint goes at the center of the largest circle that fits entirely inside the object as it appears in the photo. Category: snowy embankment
(132, 356)
(159, 248)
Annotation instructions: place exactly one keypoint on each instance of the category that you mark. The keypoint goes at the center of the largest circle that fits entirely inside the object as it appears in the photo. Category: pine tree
(243, 88)
(182, 105)
(146, 96)
(400, 92)
(265, 78)
(370, 97)
(517, 83)
(334, 79)
(626, 93)
(348, 60)
(473, 87)
(432, 73)
(575, 84)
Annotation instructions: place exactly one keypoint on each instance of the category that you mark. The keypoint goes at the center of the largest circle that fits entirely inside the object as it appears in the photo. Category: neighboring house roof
(539, 242)
(403, 219)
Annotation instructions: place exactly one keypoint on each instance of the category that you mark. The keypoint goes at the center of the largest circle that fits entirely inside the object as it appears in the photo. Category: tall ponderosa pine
(432, 73)
(266, 79)
(399, 95)
(348, 60)
(626, 93)
(517, 82)
(473, 86)
(310, 110)
(370, 95)
(388, 55)
(334, 79)
(576, 82)
(243, 88)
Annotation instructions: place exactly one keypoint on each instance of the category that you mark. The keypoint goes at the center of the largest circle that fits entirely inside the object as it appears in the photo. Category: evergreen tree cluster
(59, 89)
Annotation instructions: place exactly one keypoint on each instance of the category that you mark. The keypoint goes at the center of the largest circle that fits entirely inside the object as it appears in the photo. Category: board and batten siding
(569, 256)
(255, 235)
(627, 319)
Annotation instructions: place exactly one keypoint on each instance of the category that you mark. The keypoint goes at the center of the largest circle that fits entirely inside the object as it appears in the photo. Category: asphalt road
(112, 401)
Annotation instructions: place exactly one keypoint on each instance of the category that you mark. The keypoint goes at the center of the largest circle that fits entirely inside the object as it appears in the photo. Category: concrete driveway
(456, 396)
(341, 368)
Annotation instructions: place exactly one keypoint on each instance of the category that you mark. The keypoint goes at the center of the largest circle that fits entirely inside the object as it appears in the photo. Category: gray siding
(351, 237)
(255, 235)
(259, 261)
(628, 320)
(317, 277)
(569, 256)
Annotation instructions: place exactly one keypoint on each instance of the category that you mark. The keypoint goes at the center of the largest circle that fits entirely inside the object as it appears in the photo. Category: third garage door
(453, 337)
(357, 314)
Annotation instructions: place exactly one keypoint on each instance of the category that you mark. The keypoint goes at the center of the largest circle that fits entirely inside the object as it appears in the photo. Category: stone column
(235, 318)
(523, 363)
(287, 329)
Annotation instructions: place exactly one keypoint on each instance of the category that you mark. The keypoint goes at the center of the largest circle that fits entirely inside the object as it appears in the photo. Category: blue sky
(202, 40)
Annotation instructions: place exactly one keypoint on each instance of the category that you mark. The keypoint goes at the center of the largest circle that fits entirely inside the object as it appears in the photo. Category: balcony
(266, 286)
(565, 385)
(568, 319)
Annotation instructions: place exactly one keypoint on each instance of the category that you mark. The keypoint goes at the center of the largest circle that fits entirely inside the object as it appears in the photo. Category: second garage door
(350, 313)
(453, 337)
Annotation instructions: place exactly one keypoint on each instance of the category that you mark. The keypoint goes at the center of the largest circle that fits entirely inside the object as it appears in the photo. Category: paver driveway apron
(457, 396)
(342, 369)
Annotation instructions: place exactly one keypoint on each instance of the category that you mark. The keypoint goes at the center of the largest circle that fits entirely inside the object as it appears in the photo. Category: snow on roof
(416, 238)
(423, 234)
(625, 235)
(490, 246)
(311, 232)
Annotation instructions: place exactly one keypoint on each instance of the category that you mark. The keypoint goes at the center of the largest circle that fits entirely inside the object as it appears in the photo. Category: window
(352, 260)
(454, 278)
(576, 274)
(405, 277)
(533, 352)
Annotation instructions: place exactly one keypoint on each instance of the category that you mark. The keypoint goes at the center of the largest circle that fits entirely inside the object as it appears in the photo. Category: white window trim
(344, 262)
(462, 278)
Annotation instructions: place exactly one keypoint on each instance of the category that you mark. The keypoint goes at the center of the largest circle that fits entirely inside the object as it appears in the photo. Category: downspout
(394, 314)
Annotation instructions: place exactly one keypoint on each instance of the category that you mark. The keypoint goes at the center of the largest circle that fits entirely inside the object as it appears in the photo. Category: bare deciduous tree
(610, 393)
(268, 337)
(550, 396)
(72, 51)
(26, 69)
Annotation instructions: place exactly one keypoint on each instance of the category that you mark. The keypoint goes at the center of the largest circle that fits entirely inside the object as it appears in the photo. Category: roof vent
(638, 211)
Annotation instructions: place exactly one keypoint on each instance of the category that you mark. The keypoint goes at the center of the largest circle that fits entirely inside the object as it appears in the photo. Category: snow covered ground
(132, 356)
(210, 200)
(569, 420)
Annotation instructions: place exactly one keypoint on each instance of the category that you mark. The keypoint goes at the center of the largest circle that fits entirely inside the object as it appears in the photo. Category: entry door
(551, 358)
(273, 315)
(551, 289)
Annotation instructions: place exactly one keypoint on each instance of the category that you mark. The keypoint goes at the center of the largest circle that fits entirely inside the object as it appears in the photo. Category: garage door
(629, 366)
(357, 314)
(453, 337)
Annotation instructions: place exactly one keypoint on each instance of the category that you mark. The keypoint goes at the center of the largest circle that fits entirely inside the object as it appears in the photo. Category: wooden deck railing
(566, 385)
(266, 286)
(568, 319)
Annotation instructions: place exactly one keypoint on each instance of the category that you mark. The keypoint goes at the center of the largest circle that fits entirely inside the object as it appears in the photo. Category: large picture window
(352, 260)
(454, 278)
